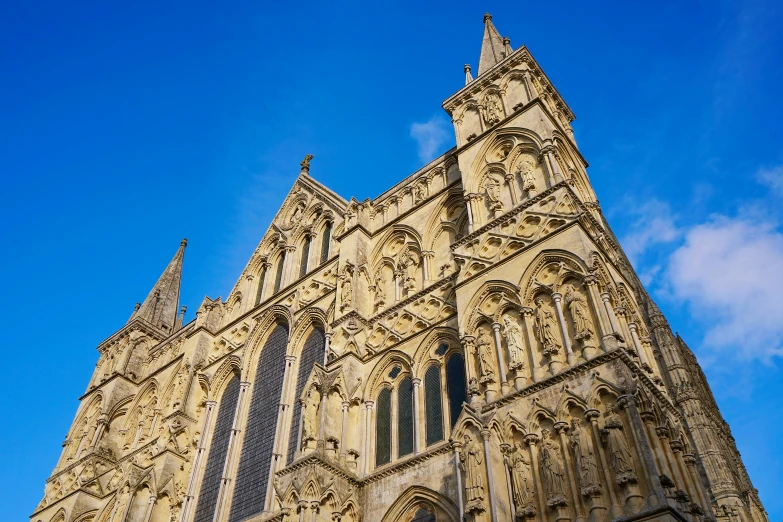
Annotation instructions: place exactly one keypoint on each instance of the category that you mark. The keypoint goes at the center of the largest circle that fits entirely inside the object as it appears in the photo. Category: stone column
(504, 386)
(671, 467)
(416, 416)
(314, 506)
(682, 473)
(469, 349)
(549, 150)
(561, 428)
(288, 266)
(458, 472)
(102, 422)
(558, 298)
(509, 177)
(150, 506)
(531, 439)
(621, 313)
(195, 468)
(367, 435)
(427, 257)
(469, 212)
(638, 345)
(647, 419)
(266, 280)
(493, 505)
(592, 416)
(302, 509)
(531, 90)
(530, 337)
(343, 431)
(397, 278)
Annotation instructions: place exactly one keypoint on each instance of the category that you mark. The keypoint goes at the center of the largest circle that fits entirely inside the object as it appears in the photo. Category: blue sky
(127, 127)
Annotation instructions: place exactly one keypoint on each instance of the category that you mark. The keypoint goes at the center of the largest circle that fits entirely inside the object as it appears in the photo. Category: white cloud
(772, 178)
(654, 224)
(430, 137)
(728, 271)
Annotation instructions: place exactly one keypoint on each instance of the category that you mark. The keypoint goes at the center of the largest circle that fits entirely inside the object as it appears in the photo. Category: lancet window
(312, 352)
(433, 405)
(305, 255)
(383, 428)
(260, 290)
(456, 387)
(279, 273)
(210, 483)
(258, 443)
(325, 240)
(405, 431)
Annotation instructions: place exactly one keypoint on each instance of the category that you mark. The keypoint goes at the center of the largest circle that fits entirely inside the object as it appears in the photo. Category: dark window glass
(442, 348)
(327, 237)
(433, 405)
(260, 290)
(253, 473)
(305, 254)
(383, 428)
(455, 385)
(210, 484)
(279, 274)
(312, 352)
(422, 515)
(405, 417)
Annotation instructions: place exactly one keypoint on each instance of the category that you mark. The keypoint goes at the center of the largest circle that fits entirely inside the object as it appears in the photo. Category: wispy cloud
(653, 224)
(430, 137)
(772, 178)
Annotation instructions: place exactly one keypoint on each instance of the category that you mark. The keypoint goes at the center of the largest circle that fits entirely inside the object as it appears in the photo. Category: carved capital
(592, 414)
(485, 433)
(531, 439)
(561, 426)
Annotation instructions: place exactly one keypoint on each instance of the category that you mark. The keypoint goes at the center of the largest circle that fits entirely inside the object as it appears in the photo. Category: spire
(493, 47)
(160, 306)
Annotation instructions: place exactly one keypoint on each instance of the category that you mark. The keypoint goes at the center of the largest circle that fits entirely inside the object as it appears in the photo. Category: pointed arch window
(383, 428)
(312, 352)
(218, 448)
(455, 386)
(405, 417)
(325, 240)
(305, 255)
(256, 458)
(260, 290)
(279, 274)
(423, 515)
(433, 406)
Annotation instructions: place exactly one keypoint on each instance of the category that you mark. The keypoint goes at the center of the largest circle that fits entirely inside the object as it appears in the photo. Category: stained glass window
(258, 443)
(327, 237)
(455, 385)
(405, 417)
(422, 515)
(279, 274)
(210, 483)
(312, 352)
(383, 428)
(260, 291)
(305, 254)
(433, 406)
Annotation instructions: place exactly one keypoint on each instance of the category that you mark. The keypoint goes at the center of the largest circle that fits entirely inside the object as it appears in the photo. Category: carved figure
(493, 111)
(418, 193)
(408, 265)
(577, 306)
(526, 169)
(347, 292)
(617, 445)
(305, 164)
(584, 456)
(515, 343)
(545, 329)
(551, 470)
(484, 349)
(492, 188)
(472, 459)
(523, 482)
(310, 415)
(380, 289)
(179, 387)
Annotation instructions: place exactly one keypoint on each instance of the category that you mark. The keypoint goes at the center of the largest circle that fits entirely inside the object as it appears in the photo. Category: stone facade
(472, 344)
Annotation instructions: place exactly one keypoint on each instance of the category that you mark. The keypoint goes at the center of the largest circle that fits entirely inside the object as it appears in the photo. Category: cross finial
(306, 163)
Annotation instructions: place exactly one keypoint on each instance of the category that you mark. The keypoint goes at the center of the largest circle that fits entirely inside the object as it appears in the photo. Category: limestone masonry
(472, 344)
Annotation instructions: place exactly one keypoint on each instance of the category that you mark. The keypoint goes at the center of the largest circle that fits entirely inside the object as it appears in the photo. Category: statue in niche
(584, 456)
(484, 350)
(580, 315)
(551, 470)
(179, 387)
(472, 458)
(296, 216)
(310, 415)
(347, 292)
(408, 265)
(418, 194)
(492, 187)
(545, 328)
(515, 343)
(380, 289)
(523, 483)
(492, 109)
(617, 445)
(527, 170)
(121, 504)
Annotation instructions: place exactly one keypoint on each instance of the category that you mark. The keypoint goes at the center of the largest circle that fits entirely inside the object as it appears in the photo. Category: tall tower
(472, 344)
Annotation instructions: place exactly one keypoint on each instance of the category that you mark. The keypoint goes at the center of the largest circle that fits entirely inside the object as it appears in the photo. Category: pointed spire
(468, 76)
(493, 47)
(160, 306)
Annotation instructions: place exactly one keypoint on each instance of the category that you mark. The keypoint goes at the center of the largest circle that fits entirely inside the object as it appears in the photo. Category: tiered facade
(470, 345)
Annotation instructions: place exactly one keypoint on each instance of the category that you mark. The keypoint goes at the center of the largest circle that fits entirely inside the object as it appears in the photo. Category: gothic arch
(87, 516)
(264, 327)
(548, 271)
(231, 366)
(422, 358)
(311, 318)
(503, 146)
(414, 496)
(378, 376)
(60, 516)
(489, 303)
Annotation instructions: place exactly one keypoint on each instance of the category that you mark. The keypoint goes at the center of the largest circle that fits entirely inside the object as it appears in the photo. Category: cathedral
(470, 345)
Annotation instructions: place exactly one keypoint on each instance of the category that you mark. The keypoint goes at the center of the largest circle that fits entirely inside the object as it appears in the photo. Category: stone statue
(418, 194)
(493, 111)
(617, 445)
(584, 457)
(492, 188)
(523, 482)
(472, 459)
(526, 169)
(551, 470)
(577, 306)
(310, 415)
(545, 328)
(380, 289)
(121, 504)
(347, 292)
(179, 387)
(515, 343)
(408, 265)
(484, 350)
